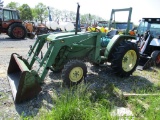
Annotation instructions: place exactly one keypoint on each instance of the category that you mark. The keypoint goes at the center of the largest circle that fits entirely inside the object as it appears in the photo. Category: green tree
(57, 14)
(25, 12)
(33, 13)
(13, 5)
(41, 12)
(90, 19)
(72, 16)
(85, 18)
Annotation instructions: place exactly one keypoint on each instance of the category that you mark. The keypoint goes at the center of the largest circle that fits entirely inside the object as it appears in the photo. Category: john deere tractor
(66, 53)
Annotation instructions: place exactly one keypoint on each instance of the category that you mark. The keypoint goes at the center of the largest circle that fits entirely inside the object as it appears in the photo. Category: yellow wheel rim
(76, 74)
(129, 60)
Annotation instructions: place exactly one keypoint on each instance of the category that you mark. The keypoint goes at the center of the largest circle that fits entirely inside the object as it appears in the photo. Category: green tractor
(65, 53)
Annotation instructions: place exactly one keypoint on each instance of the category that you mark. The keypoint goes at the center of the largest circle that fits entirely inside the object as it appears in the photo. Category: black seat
(146, 34)
(111, 33)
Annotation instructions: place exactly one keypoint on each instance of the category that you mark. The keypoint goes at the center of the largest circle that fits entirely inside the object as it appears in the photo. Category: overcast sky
(102, 8)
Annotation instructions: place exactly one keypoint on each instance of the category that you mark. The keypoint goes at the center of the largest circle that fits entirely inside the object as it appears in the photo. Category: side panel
(6, 24)
(155, 42)
(79, 46)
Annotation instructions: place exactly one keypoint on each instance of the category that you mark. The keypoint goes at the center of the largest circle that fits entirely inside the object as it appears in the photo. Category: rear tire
(125, 59)
(156, 58)
(30, 35)
(74, 72)
(17, 31)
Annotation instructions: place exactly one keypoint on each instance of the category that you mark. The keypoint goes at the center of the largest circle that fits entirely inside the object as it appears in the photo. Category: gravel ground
(9, 110)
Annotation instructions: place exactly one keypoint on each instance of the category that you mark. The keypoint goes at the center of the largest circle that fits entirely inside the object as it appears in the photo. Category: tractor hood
(59, 35)
(52, 37)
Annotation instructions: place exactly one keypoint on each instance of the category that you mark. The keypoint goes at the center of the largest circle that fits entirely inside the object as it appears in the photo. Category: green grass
(149, 108)
(3, 96)
(79, 104)
(82, 103)
(152, 112)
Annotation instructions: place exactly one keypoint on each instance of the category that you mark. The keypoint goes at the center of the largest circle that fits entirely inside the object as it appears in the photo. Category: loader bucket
(23, 82)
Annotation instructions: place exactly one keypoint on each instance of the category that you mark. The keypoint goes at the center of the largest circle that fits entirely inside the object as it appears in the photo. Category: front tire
(17, 31)
(74, 72)
(125, 59)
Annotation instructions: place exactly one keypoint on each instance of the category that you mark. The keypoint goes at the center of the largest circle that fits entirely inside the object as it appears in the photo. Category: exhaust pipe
(77, 19)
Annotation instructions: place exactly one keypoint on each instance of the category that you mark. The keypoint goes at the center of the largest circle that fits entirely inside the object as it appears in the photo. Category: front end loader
(66, 53)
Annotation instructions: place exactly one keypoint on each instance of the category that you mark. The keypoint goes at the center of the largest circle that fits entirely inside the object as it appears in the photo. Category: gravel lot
(8, 110)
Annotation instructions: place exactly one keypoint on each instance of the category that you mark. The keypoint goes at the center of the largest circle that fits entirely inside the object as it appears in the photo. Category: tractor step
(145, 62)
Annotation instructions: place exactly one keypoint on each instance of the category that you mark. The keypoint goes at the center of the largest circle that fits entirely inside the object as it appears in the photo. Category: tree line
(41, 13)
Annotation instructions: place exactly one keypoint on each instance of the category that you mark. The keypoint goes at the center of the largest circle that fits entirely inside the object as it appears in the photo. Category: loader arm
(86, 41)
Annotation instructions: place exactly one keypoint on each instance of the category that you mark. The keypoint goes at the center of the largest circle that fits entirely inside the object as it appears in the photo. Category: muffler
(23, 81)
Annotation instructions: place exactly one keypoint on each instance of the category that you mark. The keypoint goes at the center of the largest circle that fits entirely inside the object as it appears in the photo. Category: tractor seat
(111, 33)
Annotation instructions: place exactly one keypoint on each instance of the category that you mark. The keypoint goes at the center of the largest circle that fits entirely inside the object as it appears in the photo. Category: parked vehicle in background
(148, 39)
(11, 24)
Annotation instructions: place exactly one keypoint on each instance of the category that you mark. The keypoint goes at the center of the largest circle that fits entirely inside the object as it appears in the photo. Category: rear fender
(114, 42)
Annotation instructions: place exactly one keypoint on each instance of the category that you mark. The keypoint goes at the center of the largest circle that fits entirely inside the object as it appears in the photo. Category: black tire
(17, 31)
(70, 69)
(30, 35)
(98, 64)
(126, 53)
(56, 70)
(156, 58)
